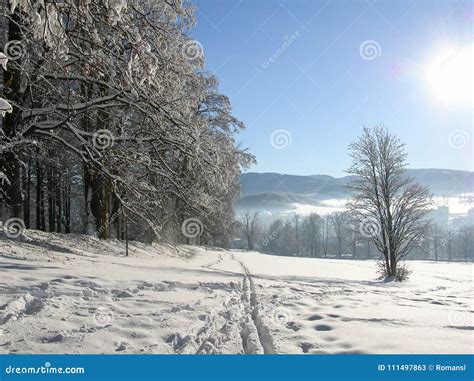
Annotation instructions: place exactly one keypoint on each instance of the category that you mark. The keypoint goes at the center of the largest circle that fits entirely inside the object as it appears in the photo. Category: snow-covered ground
(74, 294)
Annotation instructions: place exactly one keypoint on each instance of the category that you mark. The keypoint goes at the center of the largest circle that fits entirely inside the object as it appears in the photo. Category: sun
(450, 75)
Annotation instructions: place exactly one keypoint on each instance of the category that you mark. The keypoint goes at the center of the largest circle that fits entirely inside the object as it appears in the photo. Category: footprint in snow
(294, 326)
(323, 328)
(315, 317)
(121, 347)
(330, 339)
(305, 347)
(53, 339)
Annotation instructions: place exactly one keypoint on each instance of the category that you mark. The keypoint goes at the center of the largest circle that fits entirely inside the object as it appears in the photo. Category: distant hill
(276, 191)
(274, 200)
(318, 186)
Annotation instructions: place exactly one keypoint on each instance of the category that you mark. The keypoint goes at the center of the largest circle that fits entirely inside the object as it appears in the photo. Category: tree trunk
(93, 192)
(326, 239)
(59, 212)
(353, 248)
(393, 262)
(387, 262)
(51, 200)
(105, 218)
(40, 216)
(67, 204)
(114, 219)
(250, 243)
(449, 249)
(465, 245)
(393, 267)
(26, 201)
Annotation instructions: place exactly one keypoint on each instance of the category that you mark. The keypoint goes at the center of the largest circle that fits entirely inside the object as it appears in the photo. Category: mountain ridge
(275, 188)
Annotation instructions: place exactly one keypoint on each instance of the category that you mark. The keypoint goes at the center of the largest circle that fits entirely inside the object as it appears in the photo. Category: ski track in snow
(73, 294)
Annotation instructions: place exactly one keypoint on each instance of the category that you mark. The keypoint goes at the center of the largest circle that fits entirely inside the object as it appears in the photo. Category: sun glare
(450, 75)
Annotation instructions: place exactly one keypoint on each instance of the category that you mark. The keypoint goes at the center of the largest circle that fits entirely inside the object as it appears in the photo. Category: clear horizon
(291, 69)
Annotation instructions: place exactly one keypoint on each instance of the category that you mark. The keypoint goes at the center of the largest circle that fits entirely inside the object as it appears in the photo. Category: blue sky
(322, 86)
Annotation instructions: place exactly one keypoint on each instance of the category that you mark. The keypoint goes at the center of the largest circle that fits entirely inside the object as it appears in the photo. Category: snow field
(75, 294)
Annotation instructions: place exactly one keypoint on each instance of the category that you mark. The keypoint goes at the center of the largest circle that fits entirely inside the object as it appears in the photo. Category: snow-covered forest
(111, 127)
(337, 235)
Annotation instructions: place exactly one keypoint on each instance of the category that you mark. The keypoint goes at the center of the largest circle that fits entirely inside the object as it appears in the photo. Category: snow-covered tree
(391, 207)
(251, 228)
(117, 85)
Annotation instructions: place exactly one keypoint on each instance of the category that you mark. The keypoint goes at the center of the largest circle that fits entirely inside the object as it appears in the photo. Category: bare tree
(251, 229)
(392, 208)
(312, 234)
(272, 241)
(297, 238)
(326, 236)
(467, 233)
(353, 234)
(339, 222)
